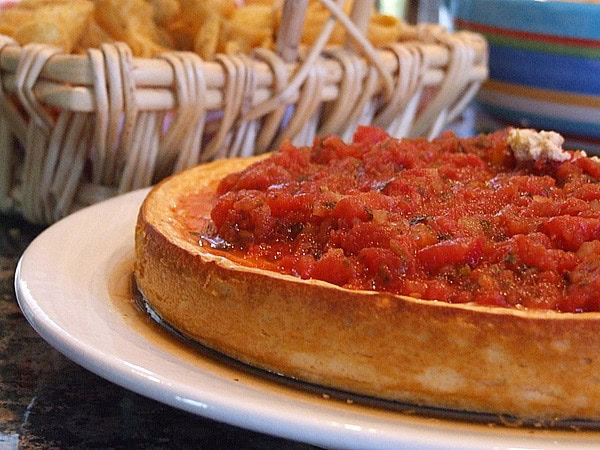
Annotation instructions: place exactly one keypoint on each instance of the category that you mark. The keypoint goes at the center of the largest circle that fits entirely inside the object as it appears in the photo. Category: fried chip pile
(150, 27)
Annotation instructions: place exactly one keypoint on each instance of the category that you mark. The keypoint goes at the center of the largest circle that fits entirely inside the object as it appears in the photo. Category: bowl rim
(546, 17)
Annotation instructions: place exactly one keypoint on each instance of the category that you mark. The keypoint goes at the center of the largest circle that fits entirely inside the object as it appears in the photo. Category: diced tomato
(287, 263)
(350, 208)
(533, 185)
(587, 192)
(361, 235)
(589, 251)
(294, 208)
(291, 158)
(384, 265)
(537, 255)
(491, 298)
(369, 135)
(570, 232)
(589, 166)
(227, 183)
(568, 170)
(259, 178)
(455, 251)
(582, 294)
(415, 288)
(223, 209)
(423, 235)
(305, 266)
(460, 160)
(334, 268)
(389, 160)
(330, 149)
(517, 225)
(438, 290)
(571, 207)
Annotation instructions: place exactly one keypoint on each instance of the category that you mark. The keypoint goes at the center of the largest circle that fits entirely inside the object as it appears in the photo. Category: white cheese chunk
(528, 144)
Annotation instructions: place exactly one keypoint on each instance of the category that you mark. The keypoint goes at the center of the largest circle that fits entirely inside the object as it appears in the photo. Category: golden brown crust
(533, 364)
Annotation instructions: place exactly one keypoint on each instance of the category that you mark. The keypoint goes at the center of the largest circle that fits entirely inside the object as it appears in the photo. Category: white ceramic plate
(72, 285)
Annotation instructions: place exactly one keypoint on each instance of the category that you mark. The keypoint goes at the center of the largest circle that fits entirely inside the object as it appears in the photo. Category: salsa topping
(454, 220)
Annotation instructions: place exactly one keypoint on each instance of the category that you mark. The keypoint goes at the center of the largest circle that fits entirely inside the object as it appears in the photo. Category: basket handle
(360, 15)
(356, 37)
(360, 40)
(290, 29)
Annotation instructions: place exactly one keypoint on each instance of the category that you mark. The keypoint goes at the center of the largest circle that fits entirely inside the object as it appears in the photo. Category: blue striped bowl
(544, 64)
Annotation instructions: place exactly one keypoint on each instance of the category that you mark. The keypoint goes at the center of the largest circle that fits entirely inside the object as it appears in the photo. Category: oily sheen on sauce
(456, 220)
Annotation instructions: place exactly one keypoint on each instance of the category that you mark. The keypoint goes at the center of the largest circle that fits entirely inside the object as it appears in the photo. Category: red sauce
(456, 220)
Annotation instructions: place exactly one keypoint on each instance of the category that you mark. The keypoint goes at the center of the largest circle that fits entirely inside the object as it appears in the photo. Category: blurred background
(544, 61)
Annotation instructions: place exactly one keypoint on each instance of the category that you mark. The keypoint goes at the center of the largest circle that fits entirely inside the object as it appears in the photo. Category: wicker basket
(77, 129)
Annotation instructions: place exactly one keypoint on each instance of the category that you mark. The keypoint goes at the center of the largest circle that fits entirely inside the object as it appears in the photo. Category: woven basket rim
(76, 129)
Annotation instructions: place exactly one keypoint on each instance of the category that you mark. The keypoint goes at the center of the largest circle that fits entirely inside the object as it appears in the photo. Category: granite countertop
(47, 401)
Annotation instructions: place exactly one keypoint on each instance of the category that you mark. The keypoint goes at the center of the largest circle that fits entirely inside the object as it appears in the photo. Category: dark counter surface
(47, 401)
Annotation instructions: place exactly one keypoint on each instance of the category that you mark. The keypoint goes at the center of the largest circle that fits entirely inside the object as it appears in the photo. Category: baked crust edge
(527, 363)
